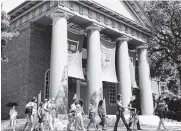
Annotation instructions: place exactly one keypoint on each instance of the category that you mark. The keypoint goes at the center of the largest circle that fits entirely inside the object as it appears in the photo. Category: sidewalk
(21, 123)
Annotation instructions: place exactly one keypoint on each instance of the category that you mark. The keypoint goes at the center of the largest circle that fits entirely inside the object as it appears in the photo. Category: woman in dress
(13, 114)
(102, 114)
(92, 114)
(31, 115)
(160, 109)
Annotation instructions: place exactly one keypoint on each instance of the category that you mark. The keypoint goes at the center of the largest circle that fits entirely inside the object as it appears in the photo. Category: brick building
(87, 48)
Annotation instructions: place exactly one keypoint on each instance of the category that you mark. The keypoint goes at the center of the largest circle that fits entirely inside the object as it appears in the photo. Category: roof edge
(18, 7)
(143, 12)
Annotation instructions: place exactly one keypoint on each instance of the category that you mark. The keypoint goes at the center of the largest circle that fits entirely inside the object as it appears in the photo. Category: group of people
(120, 114)
(46, 114)
(160, 107)
(76, 114)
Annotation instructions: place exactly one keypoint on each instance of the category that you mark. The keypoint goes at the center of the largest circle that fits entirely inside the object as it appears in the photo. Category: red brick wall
(22, 76)
(14, 73)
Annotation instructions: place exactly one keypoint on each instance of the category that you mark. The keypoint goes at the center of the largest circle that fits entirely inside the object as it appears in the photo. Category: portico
(108, 37)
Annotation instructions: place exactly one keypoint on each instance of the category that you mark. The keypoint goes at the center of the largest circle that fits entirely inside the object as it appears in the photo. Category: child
(92, 114)
(13, 114)
(41, 115)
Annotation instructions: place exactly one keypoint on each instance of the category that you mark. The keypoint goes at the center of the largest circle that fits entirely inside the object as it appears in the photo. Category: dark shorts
(41, 120)
(161, 114)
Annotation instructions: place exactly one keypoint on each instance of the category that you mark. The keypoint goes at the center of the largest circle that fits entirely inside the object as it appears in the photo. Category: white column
(94, 70)
(58, 64)
(78, 89)
(123, 70)
(145, 82)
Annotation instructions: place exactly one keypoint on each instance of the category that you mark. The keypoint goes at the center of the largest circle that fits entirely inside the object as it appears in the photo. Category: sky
(8, 5)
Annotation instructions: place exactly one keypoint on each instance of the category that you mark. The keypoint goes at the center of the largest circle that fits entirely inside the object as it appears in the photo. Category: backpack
(28, 110)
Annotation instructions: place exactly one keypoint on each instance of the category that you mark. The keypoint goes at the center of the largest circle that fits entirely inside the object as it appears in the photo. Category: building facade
(87, 48)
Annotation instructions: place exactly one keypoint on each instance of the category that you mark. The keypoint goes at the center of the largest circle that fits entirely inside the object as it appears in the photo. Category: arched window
(47, 84)
(112, 92)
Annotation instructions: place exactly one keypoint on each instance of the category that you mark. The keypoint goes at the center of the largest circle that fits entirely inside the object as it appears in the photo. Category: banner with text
(108, 50)
(132, 63)
(75, 43)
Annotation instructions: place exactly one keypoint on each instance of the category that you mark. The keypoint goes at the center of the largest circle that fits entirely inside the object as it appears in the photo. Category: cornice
(104, 19)
(140, 12)
(119, 17)
(33, 10)
(31, 13)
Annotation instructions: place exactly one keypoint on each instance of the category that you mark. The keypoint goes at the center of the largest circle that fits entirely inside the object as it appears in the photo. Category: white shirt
(34, 105)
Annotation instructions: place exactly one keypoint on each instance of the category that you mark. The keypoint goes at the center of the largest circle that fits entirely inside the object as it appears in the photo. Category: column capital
(60, 15)
(142, 47)
(123, 38)
(94, 26)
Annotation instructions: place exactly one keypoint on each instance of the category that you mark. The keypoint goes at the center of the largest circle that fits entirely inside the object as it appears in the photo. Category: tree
(165, 45)
(6, 33)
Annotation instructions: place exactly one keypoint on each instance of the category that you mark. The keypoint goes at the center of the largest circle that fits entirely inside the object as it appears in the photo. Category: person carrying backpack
(31, 112)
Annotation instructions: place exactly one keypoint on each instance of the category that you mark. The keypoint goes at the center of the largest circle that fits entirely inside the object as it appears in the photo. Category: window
(112, 93)
(47, 84)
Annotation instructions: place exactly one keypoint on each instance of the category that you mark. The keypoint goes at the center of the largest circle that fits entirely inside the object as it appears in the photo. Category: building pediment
(127, 20)
(127, 9)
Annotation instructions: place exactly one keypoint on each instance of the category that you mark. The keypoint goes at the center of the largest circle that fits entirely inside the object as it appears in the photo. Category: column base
(61, 122)
(149, 120)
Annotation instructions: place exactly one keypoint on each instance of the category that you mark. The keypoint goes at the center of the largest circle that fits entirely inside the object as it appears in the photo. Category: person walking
(41, 116)
(119, 114)
(53, 112)
(79, 117)
(133, 113)
(31, 111)
(102, 114)
(92, 114)
(45, 106)
(71, 115)
(160, 109)
(13, 116)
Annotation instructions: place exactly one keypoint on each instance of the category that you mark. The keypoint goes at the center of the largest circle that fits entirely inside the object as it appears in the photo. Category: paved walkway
(21, 123)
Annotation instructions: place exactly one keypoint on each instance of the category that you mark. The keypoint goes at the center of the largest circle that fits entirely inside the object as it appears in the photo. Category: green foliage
(6, 33)
(165, 45)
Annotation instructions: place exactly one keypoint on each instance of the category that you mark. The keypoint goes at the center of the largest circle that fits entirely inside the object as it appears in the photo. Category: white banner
(132, 56)
(75, 43)
(108, 50)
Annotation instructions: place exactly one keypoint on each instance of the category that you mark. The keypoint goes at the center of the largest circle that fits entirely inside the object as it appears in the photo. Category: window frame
(45, 85)
(115, 85)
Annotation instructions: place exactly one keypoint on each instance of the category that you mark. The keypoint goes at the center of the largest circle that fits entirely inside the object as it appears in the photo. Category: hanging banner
(75, 43)
(132, 63)
(108, 50)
